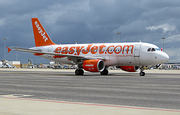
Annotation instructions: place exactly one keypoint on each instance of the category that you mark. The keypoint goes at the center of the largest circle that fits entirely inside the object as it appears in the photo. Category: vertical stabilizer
(40, 35)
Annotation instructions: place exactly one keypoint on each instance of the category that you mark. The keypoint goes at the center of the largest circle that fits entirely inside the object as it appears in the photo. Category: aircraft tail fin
(40, 35)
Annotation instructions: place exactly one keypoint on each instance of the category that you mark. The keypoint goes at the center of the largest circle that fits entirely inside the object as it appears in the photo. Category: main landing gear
(141, 72)
(104, 72)
(79, 72)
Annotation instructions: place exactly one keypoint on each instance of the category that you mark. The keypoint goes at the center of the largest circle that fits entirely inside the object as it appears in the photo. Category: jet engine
(130, 68)
(94, 65)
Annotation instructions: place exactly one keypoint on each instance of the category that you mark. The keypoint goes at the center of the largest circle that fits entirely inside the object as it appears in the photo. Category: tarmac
(16, 104)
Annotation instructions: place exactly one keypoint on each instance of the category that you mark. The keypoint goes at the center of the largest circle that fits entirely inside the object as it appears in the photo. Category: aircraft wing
(40, 52)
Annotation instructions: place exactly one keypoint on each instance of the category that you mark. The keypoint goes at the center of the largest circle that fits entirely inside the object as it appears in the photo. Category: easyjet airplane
(95, 57)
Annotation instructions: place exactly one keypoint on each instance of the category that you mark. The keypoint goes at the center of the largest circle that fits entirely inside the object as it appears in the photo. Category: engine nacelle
(130, 68)
(94, 65)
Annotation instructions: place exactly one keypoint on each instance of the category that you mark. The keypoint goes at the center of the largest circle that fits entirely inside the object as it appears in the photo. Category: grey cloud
(88, 21)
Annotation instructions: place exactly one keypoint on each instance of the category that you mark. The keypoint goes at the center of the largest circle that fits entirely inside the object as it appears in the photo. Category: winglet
(8, 49)
(40, 35)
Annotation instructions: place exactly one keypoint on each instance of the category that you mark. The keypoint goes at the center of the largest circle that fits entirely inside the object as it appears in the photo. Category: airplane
(95, 57)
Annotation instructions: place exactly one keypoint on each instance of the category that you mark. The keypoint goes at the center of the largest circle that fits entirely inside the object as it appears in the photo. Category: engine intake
(94, 65)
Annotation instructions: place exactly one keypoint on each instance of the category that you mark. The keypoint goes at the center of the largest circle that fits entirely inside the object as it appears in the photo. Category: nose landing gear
(141, 72)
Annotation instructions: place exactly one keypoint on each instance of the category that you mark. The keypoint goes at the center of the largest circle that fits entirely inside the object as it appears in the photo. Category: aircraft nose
(164, 57)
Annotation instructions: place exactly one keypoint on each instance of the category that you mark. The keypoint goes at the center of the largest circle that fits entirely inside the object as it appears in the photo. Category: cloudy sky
(90, 21)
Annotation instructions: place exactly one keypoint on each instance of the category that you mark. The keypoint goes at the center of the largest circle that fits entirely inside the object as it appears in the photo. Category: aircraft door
(137, 50)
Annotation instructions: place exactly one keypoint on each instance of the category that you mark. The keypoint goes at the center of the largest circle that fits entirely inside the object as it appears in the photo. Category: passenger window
(149, 50)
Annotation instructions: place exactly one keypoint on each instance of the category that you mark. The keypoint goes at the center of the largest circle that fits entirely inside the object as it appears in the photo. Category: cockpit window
(157, 49)
(149, 49)
(153, 49)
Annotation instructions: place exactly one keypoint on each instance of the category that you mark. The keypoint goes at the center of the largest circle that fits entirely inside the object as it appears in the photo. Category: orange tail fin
(40, 35)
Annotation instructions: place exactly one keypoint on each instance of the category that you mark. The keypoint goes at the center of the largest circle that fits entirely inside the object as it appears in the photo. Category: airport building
(9, 64)
(53, 65)
(15, 63)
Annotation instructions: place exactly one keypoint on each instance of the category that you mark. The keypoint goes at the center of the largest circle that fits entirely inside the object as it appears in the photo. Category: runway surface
(159, 89)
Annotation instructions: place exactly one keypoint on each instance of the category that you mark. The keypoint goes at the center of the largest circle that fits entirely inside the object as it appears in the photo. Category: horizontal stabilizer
(9, 49)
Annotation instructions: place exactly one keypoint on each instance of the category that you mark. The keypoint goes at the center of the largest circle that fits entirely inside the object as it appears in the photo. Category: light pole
(76, 42)
(163, 43)
(16, 52)
(4, 48)
(118, 35)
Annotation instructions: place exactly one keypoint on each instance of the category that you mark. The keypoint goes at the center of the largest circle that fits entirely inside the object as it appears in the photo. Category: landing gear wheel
(142, 73)
(79, 72)
(104, 72)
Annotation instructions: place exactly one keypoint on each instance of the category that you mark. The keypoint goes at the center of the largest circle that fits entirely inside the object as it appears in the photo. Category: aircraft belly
(111, 60)
(122, 60)
(63, 60)
(134, 61)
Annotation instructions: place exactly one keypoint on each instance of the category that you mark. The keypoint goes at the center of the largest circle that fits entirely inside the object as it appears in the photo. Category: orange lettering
(101, 49)
(94, 49)
(87, 50)
(119, 49)
(71, 50)
(109, 48)
(78, 49)
(57, 50)
(128, 46)
(65, 50)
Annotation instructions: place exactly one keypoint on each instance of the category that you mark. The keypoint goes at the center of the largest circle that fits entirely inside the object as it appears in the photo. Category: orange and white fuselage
(96, 57)
(134, 54)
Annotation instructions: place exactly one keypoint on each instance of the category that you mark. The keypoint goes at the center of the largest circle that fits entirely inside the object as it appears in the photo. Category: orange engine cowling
(94, 65)
(130, 68)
